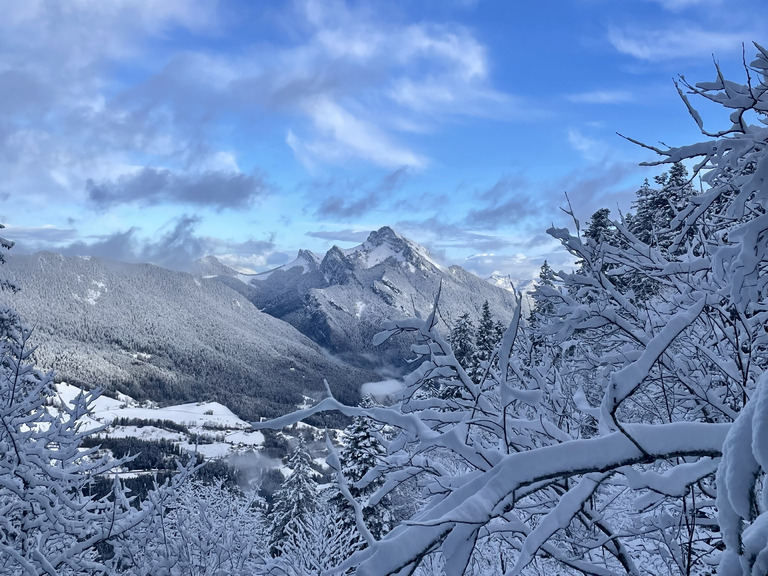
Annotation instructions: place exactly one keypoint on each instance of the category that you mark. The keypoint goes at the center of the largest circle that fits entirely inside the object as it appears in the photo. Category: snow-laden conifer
(296, 499)
(360, 454)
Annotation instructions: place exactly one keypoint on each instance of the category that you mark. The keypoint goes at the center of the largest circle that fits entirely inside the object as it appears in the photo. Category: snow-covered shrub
(205, 529)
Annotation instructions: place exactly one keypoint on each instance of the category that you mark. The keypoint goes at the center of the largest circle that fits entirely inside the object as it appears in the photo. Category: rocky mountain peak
(310, 258)
(336, 266)
(383, 236)
(385, 243)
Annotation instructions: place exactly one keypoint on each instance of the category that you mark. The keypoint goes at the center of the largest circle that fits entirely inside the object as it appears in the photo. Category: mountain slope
(167, 336)
(341, 299)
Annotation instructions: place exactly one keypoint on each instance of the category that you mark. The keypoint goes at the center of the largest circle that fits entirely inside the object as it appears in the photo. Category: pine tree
(600, 230)
(652, 224)
(488, 336)
(296, 499)
(656, 208)
(360, 454)
(462, 340)
(600, 227)
(542, 304)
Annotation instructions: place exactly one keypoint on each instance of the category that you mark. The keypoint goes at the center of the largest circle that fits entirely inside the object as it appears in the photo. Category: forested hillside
(166, 336)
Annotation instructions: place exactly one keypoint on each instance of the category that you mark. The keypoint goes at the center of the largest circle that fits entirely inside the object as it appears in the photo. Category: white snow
(232, 434)
(92, 294)
(301, 261)
(145, 433)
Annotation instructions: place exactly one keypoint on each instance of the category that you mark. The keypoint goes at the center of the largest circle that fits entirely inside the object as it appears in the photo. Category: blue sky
(165, 131)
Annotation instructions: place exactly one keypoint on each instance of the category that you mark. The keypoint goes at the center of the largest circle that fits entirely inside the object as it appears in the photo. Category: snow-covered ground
(223, 434)
(230, 434)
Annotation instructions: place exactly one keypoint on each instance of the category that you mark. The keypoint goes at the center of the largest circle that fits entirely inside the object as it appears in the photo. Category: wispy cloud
(508, 198)
(344, 199)
(590, 148)
(679, 5)
(31, 238)
(602, 97)
(344, 235)
(176, 245)
(489, 263)
(341, 136)
(358, 69)
(674, 42)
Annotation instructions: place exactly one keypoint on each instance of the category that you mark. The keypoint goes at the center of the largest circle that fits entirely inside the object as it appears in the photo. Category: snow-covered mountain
(341, 299)
(212, 266)
(167, 336)
(526, 287)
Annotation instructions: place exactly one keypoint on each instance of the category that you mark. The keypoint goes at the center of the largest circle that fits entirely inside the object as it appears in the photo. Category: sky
(165, 131)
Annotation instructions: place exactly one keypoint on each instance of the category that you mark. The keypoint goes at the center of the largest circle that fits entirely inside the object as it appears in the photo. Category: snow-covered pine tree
(543, 305)
(656, 208)
(462, 339)
(600, 227)
(296, 499)
(361, 452)
(487, 337)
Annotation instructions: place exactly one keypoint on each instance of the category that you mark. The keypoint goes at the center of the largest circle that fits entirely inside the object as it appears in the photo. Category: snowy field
(230, 434)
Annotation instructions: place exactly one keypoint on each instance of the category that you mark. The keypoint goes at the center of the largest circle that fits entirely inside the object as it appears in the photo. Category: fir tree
(542, 304)
(462, 340)
(360, 454)
(600, 227)
(656, 208)
(488, 336)
(296, 499)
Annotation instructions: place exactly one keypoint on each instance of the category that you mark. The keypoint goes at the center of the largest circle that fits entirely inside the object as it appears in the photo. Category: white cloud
(673, 43)
(519, 266)
(602, 97)
(343, 135)
(357, 71)
(679, 5)
(68, 127)
(590, 148)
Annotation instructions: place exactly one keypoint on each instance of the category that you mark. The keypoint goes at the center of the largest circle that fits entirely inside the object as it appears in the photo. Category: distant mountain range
(254, 343)
(340, 300)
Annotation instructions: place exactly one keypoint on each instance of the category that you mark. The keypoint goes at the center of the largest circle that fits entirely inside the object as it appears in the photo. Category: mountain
(341, 299)
(167, 336)
(525, 287)
(212, 266)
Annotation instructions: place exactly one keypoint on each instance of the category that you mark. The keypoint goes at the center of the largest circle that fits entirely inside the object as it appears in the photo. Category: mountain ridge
(167, 336)
(341, 299)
